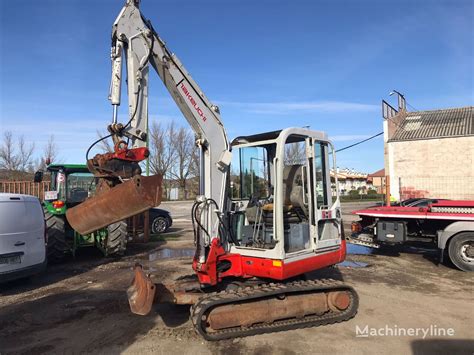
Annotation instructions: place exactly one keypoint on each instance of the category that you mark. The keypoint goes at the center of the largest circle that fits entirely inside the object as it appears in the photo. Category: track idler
(120, 202)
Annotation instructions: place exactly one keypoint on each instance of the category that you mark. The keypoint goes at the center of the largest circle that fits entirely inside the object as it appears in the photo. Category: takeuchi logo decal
(193, 102)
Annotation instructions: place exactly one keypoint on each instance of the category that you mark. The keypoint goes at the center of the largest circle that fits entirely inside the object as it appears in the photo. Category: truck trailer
(448, 225)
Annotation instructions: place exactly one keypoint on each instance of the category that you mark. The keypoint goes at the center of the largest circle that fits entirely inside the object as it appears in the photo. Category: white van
(22, 236)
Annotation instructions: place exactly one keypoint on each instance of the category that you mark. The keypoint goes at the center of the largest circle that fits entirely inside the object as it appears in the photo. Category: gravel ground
(80, 306)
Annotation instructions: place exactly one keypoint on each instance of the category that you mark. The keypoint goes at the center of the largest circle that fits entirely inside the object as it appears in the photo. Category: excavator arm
(136, 45)
(134, 38)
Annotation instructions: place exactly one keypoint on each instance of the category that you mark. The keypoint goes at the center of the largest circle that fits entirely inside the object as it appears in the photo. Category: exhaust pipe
(120, 202)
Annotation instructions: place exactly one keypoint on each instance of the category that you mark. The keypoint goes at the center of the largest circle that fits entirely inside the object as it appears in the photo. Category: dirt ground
(80, 306)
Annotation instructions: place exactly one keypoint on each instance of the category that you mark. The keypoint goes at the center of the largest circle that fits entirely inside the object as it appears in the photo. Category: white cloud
(303, 106)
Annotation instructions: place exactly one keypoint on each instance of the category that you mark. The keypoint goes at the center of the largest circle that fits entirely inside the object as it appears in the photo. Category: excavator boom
(134, 38)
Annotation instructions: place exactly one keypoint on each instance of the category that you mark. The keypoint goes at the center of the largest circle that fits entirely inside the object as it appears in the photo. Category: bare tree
(194, 168)
(295, 153)
(162, 148)
(104, 144)
(8, 156)
(15, 158)
(49, 155)
(186, 156)
(194, 171)
(25, 155)
(50, 151)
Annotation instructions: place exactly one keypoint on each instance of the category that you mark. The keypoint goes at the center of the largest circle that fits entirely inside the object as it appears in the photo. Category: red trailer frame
(446, 224)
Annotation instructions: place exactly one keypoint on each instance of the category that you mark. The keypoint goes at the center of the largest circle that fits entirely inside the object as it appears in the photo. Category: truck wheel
(116, 238)
(57, 246)
(461, 251)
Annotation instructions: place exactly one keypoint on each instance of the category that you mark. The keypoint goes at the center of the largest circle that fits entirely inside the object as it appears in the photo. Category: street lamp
(402, 105)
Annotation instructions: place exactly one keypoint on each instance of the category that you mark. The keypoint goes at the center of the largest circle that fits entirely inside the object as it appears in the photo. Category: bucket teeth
(120, 202)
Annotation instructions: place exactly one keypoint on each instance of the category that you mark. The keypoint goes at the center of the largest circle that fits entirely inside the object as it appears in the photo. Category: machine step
(365, 240)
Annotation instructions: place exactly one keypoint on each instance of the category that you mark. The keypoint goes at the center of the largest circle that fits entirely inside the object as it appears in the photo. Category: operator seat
(293, 191)
(294, 207)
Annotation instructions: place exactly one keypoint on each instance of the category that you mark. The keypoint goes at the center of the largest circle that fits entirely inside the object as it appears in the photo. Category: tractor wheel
(116, 241)
(461, 251)
(57, 244)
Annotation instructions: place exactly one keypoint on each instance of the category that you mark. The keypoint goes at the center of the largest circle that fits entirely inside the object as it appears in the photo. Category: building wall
(378, 183)
(441, 168)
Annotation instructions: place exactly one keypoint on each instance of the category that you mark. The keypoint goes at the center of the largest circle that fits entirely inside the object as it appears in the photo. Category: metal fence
(25, 187)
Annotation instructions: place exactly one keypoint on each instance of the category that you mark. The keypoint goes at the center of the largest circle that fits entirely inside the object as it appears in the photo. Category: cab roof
(290, 135)
(69, 168)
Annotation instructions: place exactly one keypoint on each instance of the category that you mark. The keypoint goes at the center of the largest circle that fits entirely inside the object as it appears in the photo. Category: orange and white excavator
(266, 214)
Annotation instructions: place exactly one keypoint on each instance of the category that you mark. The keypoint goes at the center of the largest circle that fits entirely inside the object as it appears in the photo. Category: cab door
(327, 214)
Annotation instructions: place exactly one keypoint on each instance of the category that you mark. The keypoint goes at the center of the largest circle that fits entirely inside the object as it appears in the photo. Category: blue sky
(268, 64)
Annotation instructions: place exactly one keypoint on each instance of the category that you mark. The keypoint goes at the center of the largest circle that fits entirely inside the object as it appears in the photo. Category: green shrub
(353, 193)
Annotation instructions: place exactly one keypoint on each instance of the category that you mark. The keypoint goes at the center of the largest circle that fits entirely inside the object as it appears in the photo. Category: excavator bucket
(120, 202)
(141, 292)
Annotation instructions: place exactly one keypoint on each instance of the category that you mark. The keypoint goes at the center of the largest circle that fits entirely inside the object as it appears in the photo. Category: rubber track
(57, 244)
(208, 302)
(116, 242)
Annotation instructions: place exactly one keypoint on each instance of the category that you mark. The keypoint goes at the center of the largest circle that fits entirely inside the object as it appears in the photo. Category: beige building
(430, 153)
(350, 180)
(377, 180)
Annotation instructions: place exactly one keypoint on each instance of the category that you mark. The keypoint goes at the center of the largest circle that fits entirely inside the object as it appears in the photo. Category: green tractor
(71, 184)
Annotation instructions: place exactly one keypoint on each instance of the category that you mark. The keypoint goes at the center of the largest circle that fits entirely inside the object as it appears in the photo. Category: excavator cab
(281, 195)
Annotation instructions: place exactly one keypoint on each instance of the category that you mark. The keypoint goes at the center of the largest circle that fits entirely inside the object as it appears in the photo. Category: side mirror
(38, 176)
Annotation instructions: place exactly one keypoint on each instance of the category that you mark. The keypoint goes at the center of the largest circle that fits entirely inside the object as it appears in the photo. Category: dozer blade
(141, 292)
(122, 201)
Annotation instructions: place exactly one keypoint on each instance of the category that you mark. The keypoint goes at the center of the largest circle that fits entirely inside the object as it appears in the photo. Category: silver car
(22, 236)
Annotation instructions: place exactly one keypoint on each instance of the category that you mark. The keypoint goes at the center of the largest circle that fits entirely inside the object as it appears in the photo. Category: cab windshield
(250, 173)
(79, 186)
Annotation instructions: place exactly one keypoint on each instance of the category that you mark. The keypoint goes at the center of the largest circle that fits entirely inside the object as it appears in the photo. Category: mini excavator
(265, 216)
